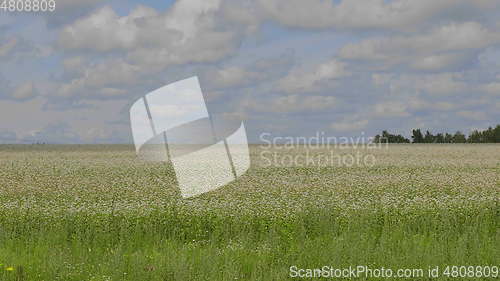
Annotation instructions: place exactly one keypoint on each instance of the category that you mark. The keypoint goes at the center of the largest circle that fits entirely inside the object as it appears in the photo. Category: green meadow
(84, 212)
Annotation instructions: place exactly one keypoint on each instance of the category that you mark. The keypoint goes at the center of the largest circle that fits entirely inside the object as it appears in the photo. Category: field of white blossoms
(100, 213)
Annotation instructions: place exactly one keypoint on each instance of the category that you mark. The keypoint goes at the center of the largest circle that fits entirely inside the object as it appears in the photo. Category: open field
(97, 213)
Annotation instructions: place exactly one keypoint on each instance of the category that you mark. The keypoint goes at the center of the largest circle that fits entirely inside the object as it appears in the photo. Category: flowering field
(99, 213)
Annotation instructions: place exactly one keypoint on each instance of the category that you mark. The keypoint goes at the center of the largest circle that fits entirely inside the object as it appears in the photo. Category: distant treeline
(490, 135)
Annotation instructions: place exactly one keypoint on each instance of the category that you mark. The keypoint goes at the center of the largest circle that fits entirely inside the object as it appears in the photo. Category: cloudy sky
(287, 67)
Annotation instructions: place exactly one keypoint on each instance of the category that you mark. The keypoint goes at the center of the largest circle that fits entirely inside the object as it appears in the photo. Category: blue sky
(289, 68)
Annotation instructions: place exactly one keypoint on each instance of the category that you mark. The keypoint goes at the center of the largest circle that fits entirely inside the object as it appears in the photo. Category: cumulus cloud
(349, 124)
(187, 32)
(67, 10)
(291, 104)
(394, 61)
(59, 132)
(97, 80)
(304, 79)
(381, 79)
(492, 88)
(419, 104)
(144, 43)
(232, 76)
(455, 36)
(371, 14)
(104, 30)
(473, 115)
(62, 132)
(24, 91)
(391, 109)
(434, 84)
(18, 48)
(441, 61)
(19, 93)
(442, 47)
(254, 73)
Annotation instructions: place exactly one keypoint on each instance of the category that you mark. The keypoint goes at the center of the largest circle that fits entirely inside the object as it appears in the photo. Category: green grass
(96, 213)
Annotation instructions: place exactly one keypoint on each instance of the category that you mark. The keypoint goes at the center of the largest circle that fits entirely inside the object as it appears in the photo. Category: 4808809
(29, 6)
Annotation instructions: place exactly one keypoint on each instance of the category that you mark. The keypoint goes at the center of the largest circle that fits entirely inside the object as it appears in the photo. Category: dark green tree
(428, 138)
(475, 137)
(417, 136)
(387, 137)
(496, 134)
(448, 138)
(458, 137)
(439, 138)
(490, 135)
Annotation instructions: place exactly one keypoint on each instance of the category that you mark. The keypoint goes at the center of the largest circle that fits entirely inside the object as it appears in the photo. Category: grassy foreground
(97, 213)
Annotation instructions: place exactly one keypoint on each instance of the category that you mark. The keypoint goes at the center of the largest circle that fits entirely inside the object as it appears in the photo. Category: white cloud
(439, 84)
(419, 104)
(30, 120)
(244, 12)
(188, 32)
(441, 47)
(439, 61)
(59, 132)
(74, 66)
(435, 84)
(112, 92)
(380, 79)
(391, 109)
(303, 79)
(104, 30)
(292, 104)
(473, 115)
(24, 91)
(426, 52)
(232, 76)
(455, 36)
(396, 14)
(68, 10)
(147, 42)
(96, 81)
(492, 88)
(349, 124)
(15, 48)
